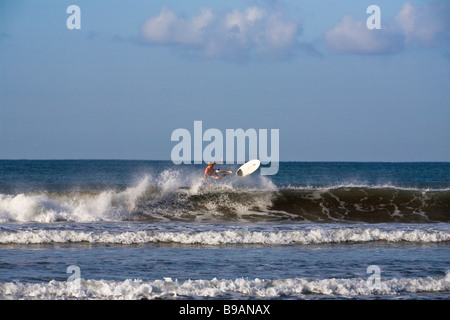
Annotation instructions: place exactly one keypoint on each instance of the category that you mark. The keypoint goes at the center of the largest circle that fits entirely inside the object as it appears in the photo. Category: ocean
(113, 229)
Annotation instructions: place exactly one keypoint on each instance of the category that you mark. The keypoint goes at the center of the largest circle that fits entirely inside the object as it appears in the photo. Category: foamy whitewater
(224, 288)
(153, 230)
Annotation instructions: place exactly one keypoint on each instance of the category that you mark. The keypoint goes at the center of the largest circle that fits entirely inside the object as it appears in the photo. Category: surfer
(210, 171)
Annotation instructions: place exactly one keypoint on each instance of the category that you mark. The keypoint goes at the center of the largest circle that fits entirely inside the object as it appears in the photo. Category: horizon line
(165, 160)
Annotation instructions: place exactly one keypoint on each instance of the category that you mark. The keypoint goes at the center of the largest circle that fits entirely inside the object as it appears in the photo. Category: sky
(137, 70)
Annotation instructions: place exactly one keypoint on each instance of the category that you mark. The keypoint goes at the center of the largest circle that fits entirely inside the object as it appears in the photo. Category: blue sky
(136, 71)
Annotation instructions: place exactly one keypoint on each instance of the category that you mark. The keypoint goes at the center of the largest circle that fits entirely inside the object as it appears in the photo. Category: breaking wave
(316, 235)
(173, 197)
(239, 288)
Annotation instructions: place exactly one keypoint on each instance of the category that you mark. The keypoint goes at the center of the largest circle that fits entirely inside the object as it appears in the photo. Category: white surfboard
(248, 168)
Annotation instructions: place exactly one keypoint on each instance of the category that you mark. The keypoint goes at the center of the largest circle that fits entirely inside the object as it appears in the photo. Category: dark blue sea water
(150, 229)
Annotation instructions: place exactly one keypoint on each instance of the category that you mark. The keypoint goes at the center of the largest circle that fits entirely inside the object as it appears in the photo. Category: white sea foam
(227, 237)
(222, 288)
(165, 196)
(108, 205)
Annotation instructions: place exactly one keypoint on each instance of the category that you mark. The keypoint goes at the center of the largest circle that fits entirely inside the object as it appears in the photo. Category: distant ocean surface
(155, 230)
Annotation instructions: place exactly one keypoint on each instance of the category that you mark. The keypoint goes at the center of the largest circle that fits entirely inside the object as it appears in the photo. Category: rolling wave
(167, 200)
(228, 237)
(239, 288)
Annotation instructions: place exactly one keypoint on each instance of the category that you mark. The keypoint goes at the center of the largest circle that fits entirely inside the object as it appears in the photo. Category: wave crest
(172, 196)
(227, 237)
(221, 288)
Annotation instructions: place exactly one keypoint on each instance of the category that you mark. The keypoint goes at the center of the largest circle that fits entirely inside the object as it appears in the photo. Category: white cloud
(352, 36)
(423, 25)
(235, 34)
(168, 28)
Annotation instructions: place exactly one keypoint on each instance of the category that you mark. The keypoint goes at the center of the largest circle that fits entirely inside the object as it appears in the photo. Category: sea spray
(238, 288)
(233, 236)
